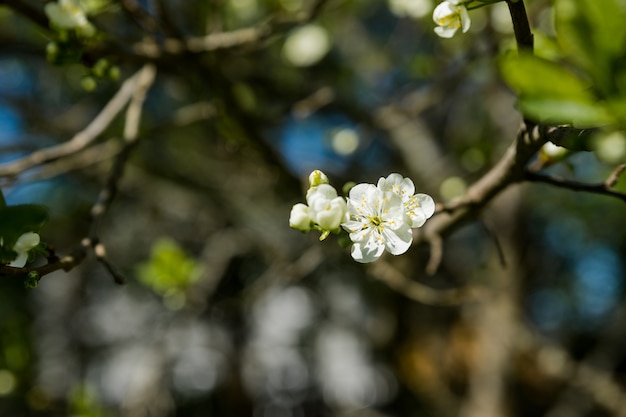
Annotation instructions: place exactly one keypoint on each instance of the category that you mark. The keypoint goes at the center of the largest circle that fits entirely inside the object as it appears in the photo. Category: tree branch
(141, 82)
(521, 26)
(224, 40)
(80, 140)
(604, 188)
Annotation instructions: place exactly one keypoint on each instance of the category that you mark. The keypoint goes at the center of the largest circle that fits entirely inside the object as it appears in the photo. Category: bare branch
(396, 280)
(602, 188)
(80, 140)
(224, 40)
(141, 82)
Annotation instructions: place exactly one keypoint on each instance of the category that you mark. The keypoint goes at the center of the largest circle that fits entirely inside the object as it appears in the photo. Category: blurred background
(226, 311)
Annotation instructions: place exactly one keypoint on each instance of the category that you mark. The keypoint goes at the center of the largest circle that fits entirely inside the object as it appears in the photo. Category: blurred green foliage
(17, 220)
(169, 271)
(586, 84)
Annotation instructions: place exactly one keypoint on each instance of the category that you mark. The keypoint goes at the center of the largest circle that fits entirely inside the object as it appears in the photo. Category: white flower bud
(325, 207)
(317, 177)
(299, 218)
(451, 16)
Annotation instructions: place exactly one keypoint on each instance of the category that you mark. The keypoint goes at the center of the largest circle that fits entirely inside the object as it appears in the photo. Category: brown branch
(416, 291)
(131, 129)
(224, 40)
(508, 170)
(601, 188)
(80, 140)
(142, 81)
(521, 27)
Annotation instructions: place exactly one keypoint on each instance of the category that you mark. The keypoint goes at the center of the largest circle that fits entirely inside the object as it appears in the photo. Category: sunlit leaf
(579, 114)
(535, 77)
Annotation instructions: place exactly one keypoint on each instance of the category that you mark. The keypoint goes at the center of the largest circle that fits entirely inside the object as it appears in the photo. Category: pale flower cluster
(24, 244)
(381, 217)
(325, 210)
(69, 14)
(376, 217)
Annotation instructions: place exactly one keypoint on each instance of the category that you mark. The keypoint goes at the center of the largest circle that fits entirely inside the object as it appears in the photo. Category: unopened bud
(317, 177)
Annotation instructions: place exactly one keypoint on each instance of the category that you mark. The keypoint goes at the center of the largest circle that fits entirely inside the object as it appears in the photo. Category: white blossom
(22, 246)
(326, 208)
(450, 16)
(299, 218)
(69, 14)
(377, 221)
(418, 207)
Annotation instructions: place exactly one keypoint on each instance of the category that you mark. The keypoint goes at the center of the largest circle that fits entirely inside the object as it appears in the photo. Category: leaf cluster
(586, 85)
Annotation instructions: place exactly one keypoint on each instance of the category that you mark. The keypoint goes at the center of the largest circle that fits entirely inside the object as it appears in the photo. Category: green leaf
(169, 269)
(20, 219)
(592, 34)
(3, 202)
(579, 114)
(536, 77)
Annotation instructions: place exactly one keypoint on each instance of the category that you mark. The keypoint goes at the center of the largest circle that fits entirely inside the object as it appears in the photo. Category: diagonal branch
(224, 40)
(604, 188)
(142, 81)
(80, 140)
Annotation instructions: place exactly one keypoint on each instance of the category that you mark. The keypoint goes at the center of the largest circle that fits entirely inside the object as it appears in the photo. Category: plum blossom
(450, 16)
(69, 14)
(377, 218)
(418, 207)
(299, 218)
(326, 208)
(377, 223)
(22, 246)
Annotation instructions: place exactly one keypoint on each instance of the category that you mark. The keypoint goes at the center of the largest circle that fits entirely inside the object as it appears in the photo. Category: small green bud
(32, 280)
(52, 51)
(100, 67)
(88, 83)
(347, 187)
(114, 72)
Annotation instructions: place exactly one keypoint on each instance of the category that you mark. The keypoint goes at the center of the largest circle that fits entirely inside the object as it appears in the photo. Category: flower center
(375, 220)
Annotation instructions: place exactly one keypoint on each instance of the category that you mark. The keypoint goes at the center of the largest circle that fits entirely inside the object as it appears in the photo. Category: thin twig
(224, 40)
(107, 194)
(601, 188)
(80, 140)
(141, 82)
(396, 280)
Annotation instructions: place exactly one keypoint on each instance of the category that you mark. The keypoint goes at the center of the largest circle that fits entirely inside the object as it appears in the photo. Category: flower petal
(398, 241)
(20, 261)
(26, 242)
(426, 203)
(368, 252)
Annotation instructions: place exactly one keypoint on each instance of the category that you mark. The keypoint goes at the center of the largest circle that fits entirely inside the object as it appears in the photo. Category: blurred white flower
(410, 8)
(299, 218)
(418, 207)
(377, 222)
(22, 246)
(69, 14)
(450, 16)
(306, 45)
